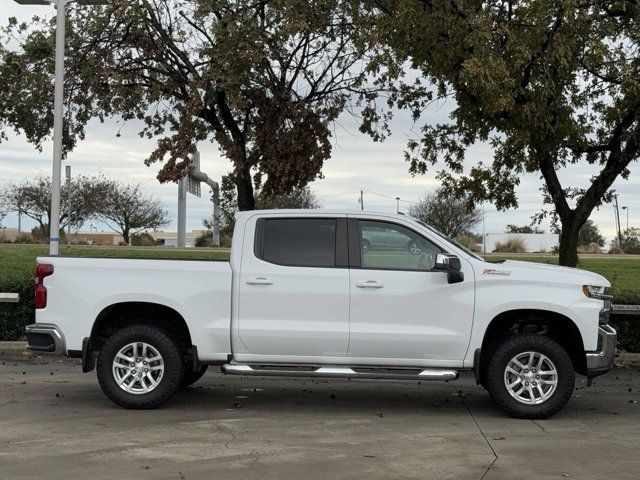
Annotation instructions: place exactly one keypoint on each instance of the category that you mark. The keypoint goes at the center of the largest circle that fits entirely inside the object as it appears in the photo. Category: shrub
(15, 316)
(512, 245)
(631, 241)
(142, 240)
(468, 241)
(205, 239)
(591, 248)
(628, 326)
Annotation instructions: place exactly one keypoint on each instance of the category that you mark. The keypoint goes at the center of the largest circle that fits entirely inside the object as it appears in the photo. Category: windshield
(450, 240)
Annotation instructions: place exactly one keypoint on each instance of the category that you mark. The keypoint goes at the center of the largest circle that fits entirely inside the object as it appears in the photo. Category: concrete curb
(628, 357)
(14, 351)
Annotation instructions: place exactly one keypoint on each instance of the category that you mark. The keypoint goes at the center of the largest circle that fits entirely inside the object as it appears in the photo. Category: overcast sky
(356, 163)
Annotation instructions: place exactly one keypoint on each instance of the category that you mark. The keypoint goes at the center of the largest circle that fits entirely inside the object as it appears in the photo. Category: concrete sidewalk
(56, 424)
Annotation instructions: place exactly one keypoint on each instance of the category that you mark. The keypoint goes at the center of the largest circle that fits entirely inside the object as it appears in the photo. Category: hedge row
(14, 317)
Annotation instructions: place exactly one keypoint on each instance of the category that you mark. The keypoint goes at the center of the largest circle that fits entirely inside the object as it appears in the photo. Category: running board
(340, 372)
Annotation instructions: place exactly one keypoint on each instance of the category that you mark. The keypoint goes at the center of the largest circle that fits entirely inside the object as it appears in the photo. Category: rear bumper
(600, 362)
(45, 338)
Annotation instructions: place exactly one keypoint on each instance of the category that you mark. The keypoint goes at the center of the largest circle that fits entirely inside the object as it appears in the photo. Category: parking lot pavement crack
(540, 426)
(226, 431)
(495, 455)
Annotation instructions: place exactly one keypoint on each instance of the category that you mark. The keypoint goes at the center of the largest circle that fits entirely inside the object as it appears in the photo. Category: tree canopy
(452, 216)
(263, 80)
(523, 229)
(589, 234)
(298, 198)
(550, 84)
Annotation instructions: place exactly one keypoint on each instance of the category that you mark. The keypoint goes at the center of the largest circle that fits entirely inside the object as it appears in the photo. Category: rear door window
(299, 242)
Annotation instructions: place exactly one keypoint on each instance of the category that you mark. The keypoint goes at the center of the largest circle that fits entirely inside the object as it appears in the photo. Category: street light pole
(627, 209)
(58, 119)
(54, 219)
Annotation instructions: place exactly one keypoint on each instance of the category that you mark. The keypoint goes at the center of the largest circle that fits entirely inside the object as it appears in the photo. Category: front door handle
(370, 284)
(259, 281)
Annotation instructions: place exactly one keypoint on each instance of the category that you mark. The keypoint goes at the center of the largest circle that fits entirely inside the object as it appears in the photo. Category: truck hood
(541, 271)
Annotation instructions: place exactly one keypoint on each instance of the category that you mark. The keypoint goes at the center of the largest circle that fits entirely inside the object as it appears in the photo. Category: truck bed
(199, 290)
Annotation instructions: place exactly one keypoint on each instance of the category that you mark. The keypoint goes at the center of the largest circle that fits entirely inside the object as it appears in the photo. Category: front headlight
(601, 293)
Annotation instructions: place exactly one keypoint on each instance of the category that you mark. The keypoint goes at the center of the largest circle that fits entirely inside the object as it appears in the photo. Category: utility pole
(68, 172)
(361, 200)
(618, 219)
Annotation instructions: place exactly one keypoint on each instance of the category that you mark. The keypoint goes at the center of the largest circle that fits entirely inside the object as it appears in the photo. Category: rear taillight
(43, 270)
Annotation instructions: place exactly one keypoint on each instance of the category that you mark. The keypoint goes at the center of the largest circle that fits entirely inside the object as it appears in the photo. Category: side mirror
(451, 264)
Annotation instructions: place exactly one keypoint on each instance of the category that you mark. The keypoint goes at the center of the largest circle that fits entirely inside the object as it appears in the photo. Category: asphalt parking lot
(55, 423)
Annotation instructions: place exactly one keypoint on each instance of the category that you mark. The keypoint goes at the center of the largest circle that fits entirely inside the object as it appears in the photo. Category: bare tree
(452, 216)
(127, 210)
(33, 199)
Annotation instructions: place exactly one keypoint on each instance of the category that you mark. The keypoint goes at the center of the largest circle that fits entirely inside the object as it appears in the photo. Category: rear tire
(190, 377)
(139, 367)
(521, 378)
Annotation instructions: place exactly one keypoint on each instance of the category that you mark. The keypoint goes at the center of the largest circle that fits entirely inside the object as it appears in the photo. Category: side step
(340, 372)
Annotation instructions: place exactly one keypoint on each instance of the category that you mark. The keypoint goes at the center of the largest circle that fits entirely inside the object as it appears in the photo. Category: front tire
(530, 376)
(139, 367)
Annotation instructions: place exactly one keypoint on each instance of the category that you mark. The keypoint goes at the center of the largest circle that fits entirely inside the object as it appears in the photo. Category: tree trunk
(244, 185)
(126, 237)
(568, 249)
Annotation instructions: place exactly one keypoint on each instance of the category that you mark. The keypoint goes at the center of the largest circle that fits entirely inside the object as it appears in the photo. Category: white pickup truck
(328, 294)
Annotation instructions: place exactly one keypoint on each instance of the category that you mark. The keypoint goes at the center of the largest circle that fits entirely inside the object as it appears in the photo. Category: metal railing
(625, 309)
(9, 298)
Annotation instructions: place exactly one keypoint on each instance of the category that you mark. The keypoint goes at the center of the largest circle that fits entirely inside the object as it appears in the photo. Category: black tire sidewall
(171, 378)
(537, 343)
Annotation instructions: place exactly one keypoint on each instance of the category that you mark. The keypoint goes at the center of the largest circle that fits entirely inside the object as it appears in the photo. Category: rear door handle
(370, 284)
(259, 281)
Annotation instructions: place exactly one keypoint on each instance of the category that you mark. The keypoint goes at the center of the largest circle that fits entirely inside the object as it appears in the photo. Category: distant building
(170, 239)
(533, 242)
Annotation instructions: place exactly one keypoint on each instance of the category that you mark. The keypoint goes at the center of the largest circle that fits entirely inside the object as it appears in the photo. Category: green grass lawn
(622, 272)
(16, 259)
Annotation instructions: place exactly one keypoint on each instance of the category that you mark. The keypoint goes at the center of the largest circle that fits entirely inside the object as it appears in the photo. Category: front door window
(387, 246)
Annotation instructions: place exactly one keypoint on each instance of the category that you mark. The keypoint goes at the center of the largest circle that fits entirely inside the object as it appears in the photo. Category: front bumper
(600, 362)
(45, 338)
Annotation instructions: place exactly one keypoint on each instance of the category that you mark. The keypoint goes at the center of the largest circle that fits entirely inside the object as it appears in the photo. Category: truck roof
(320, 211)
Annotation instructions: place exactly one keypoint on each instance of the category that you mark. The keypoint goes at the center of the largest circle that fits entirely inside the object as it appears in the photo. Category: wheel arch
(555, 325)
(124, 314)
